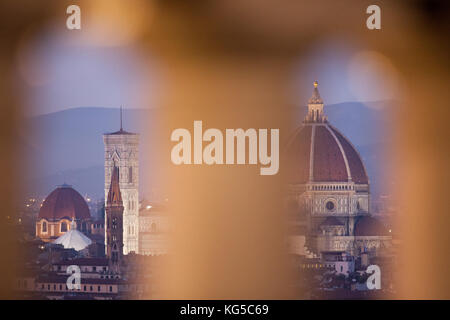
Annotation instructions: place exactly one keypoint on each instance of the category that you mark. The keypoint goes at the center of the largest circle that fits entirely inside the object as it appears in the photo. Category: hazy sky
(348, 72)
(57, 74)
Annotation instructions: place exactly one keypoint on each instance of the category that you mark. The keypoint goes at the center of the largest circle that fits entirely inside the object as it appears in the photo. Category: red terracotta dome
(64, 202)
(320, 153)
(368, 226)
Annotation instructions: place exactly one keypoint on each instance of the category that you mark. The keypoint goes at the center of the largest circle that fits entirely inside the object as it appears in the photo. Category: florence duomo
(329, 190)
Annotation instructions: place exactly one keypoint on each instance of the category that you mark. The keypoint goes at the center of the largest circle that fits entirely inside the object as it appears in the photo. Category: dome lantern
(315, 107)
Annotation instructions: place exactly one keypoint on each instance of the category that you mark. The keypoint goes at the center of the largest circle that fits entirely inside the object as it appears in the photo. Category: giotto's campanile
(122, 151)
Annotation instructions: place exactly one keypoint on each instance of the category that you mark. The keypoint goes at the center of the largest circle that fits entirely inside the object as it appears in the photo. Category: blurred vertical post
(227, 237)
(8, 120)
(423, 156)
(16, 20)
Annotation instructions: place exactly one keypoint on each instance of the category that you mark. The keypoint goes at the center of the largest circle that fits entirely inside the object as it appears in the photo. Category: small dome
(64, 202)
(367, 226)
(73, 239)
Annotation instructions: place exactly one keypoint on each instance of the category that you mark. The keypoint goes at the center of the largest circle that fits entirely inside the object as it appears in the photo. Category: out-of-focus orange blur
(230, 64)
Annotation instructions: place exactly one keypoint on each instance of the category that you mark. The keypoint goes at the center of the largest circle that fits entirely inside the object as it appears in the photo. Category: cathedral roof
(73, 239)
(121, 131)
(367, 226)
(318, 152)
(64, 202)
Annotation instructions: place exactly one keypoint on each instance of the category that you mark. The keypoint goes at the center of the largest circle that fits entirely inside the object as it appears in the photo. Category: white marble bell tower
(122, 150)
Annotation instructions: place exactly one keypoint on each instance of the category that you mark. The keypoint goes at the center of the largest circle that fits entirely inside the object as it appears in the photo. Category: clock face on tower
(330, 205)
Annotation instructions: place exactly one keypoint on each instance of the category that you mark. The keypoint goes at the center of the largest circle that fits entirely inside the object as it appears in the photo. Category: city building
(153, 228)
(97, 280)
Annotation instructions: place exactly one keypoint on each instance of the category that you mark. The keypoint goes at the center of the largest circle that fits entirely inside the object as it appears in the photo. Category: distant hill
(67, 146)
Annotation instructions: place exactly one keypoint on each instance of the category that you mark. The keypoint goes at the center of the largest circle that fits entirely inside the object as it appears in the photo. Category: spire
(114, 195)
(315, 107)
(121, 131)
(315, 98)
(121, 128)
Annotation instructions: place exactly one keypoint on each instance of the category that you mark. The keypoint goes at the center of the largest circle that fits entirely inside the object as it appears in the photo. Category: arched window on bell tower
(130, 175)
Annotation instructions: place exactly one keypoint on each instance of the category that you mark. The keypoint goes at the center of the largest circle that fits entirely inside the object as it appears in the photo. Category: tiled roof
(331, 155)
(329, 164)
(64, 202)
(356, 165)
(299, 155)
(84, 281)
(84, 262)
